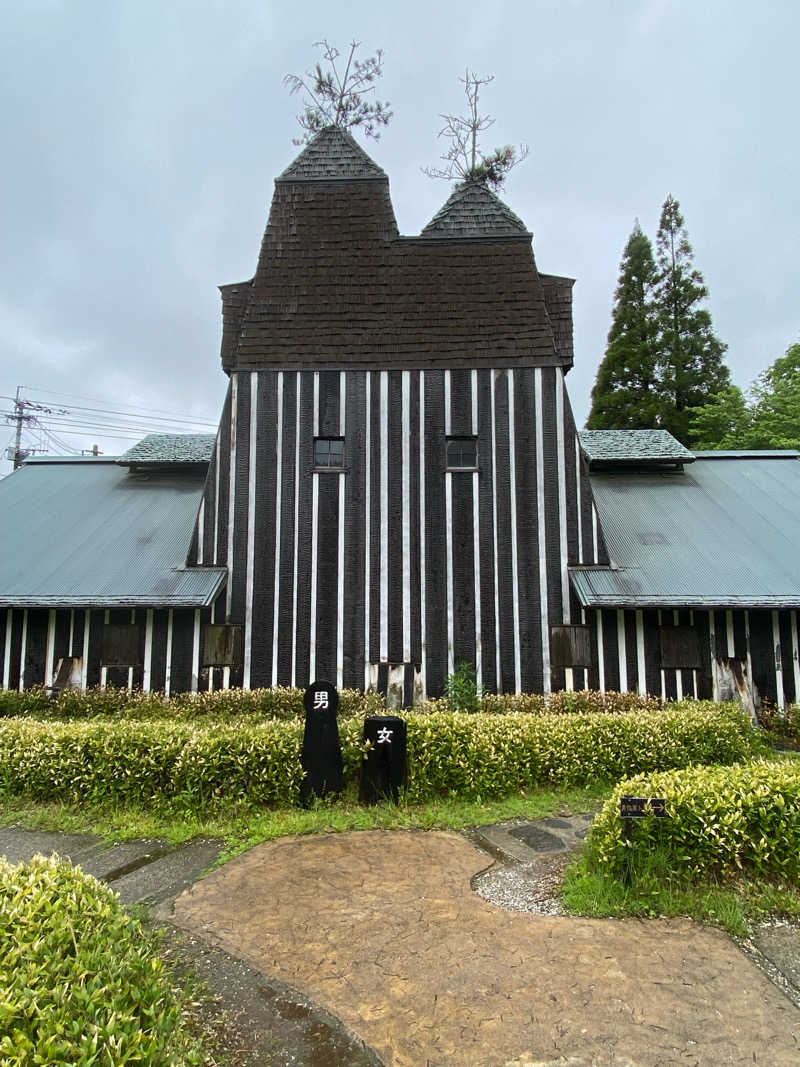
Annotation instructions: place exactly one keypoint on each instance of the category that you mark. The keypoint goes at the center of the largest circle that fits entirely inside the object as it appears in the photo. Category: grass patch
(655, 890)
(243, 826)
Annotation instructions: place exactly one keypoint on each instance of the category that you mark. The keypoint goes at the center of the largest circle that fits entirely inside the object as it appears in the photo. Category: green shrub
(782, 726)
(449, 753)
(81, 981)
(721, 819)
(461, 689)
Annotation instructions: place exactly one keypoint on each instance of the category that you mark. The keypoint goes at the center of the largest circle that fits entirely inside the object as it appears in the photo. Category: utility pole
(20, 417)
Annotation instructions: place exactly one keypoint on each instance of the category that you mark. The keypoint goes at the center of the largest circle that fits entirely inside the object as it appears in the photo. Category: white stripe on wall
(277, 584)
(663, 672)
(678, 674)
(622, 651)
(196, 650)
(251, 529)
(50, 648)
(168, 667)
(384, 531)
(71, 637)
(512, 474)
(312, 640)
(130, 669)
(296, 521)
(422, 526)
(231, 494)
(640, 667)
(340, 546)
(406, 513)
(87, 615)
(201, 525)
(23, 650)
(315, 415)
(601, 659)
(562, 495)
(498, 672)
(694, 669)
(594, 534)
(795, 658)
(749, 653)
(7, 650)
(447, 403)
(776, 652)
(367, 498)
(476, 553)
(104, 670)
(148, 651)
(729, 629)
(543, 606)
(448, 518)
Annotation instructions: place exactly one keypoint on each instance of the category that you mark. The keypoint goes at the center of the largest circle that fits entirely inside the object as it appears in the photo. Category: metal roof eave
(203, 598)
(590, 597)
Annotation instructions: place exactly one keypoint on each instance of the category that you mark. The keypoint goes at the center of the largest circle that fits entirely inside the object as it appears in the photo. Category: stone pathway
(141, 871)
(383, 930)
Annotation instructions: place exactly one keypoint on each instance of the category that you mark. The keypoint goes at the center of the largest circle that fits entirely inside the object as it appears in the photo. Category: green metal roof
(87, 533)
(721, 533)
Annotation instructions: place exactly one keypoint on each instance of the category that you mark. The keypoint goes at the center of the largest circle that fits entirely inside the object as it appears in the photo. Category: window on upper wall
(121, 645)
(462, 453)
(680, 648)
(329, 452)
(570, 646)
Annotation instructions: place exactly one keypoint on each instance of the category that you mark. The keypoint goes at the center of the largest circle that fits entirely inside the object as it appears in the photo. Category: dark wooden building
(397, 486)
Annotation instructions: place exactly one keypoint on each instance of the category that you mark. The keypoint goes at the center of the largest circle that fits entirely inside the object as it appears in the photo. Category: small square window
(462, 453)
(329, 452)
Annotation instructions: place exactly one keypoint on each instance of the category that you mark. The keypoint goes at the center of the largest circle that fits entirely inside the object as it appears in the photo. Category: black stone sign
(322, 751)
(638, 807)
(384, 772)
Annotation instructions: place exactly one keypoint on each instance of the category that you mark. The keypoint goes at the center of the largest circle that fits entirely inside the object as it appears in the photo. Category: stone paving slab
(121, 858)
(780, 943)
(522, 840)
(382, 929)
(170, 873)
(19, 845)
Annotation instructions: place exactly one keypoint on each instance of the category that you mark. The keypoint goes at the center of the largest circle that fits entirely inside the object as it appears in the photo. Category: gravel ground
(532, 887)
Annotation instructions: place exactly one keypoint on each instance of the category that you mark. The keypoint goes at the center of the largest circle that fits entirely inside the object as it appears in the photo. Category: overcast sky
(140, 140)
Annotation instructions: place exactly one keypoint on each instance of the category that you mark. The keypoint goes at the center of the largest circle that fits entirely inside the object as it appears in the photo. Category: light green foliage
(200, 764)
(80, 980)
(770, 418)
(721, 819)
(461, 689)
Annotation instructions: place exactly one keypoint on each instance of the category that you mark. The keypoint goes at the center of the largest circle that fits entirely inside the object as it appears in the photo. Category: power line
(102, 400)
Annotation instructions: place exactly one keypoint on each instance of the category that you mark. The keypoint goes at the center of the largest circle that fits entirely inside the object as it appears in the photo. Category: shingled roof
(473, 210)
(633, 447)
(331, 155)
(337, 285)
(159, 449)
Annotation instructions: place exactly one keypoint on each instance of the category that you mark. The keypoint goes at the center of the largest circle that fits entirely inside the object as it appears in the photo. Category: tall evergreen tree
(625, 394)
(691, 366)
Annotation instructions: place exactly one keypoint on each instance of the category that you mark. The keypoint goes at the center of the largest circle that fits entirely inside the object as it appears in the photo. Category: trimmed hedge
(449, 753)
(285, 704)
(81, 981)
(721, 819)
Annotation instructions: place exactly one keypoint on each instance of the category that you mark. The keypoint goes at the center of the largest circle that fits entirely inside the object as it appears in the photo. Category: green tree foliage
(771, 418)
(336, 97)
(464, 160)
(625, 394)
(691, 366)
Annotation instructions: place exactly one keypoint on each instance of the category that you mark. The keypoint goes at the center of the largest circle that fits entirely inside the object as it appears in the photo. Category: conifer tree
(626, 394)
(690, 363)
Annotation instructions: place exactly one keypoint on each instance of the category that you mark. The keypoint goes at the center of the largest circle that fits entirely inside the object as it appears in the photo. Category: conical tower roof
(474, 210)
(331, 155)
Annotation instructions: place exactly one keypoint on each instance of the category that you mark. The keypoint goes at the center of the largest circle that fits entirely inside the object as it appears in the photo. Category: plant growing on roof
(337, 98)
(464, 159)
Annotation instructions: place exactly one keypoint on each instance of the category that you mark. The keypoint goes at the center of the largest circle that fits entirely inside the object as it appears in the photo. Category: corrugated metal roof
(633, 446)
(91, 534)
(161, 448)
(331, 155)
(723, 534)
(473, 210)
